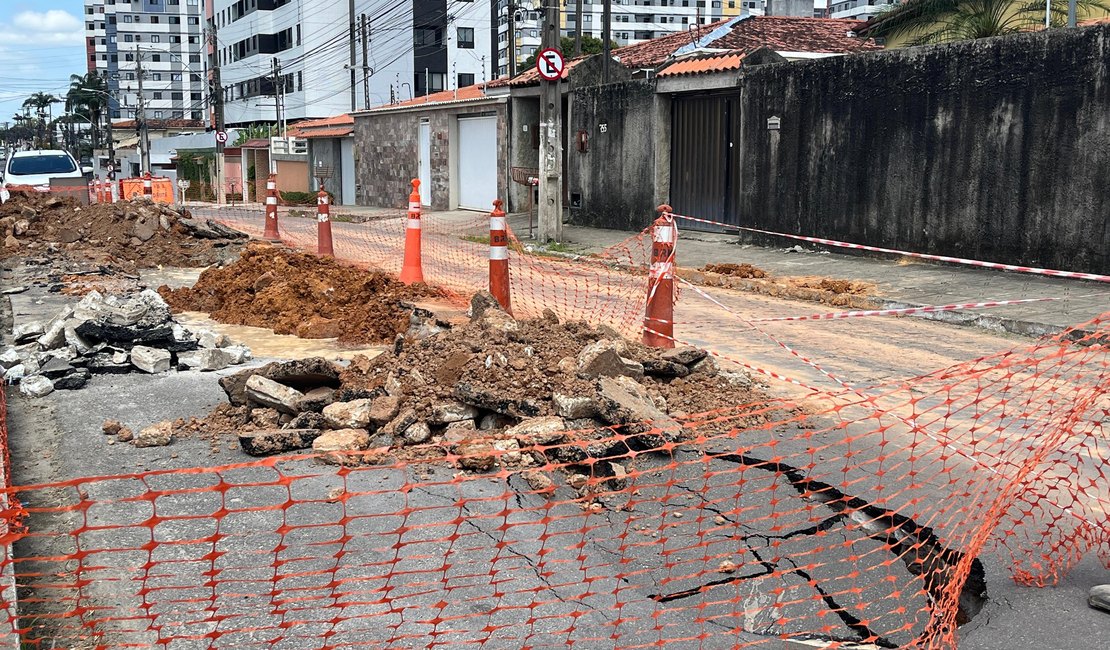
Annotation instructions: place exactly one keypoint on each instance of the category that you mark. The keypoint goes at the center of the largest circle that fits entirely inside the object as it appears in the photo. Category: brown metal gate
(703, 155)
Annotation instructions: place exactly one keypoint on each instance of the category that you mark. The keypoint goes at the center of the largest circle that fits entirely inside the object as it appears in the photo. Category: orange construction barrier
(659, 315)
(499, 256)
(323, 225)
(410, 270)
(271, 231)
(162, 189)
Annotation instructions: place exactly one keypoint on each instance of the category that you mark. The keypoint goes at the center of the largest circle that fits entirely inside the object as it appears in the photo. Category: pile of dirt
(842, 287)
(493, 392)
(125, 235)
(295, 293)
(736, 270)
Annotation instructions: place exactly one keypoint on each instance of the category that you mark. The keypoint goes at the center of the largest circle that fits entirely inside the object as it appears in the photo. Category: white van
(36, 168)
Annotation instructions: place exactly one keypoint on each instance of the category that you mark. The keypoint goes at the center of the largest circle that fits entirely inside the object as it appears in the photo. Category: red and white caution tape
(1074, 275)
(930, 309)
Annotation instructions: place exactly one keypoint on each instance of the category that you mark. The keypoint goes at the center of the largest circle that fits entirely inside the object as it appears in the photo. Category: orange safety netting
(852, 515)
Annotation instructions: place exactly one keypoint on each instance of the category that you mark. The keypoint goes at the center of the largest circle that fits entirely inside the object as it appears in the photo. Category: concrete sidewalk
(901, 283)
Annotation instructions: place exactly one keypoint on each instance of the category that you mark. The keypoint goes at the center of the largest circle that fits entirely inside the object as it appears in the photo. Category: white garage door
(477, 163)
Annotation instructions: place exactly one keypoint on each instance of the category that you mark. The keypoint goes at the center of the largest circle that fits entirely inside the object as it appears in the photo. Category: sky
(42, 43)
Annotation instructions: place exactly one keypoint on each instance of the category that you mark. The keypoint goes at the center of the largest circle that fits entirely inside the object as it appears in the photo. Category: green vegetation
(590, 45)
(921, 22)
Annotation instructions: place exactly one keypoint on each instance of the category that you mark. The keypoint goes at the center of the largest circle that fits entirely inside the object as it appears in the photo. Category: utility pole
(511, 8)
(365, 63)
(144, 134)
(354, 96)
(551, 143)
(578, 28)
(216, 92)
(277, 108)
(1072, 13)
(606, 30)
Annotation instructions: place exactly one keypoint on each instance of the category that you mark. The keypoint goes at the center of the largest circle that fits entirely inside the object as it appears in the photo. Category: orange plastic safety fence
(455, 253)
(851, 516)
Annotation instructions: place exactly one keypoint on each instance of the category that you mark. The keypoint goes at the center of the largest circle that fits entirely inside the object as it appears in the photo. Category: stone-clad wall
(386, 148)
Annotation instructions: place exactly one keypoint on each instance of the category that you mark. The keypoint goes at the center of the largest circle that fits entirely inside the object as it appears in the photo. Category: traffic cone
(659, 315)
(323, 225)
(99, 189)
(410, 269)
(148, 186)
(499, 256)
(271, 231)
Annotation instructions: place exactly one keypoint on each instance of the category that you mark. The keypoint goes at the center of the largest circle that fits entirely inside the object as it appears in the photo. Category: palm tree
(43, 103)
(89, 91)
(943, 21)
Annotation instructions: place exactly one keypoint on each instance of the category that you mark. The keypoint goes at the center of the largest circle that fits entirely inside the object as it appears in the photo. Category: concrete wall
(386, 147)
(615, 177)
(994, 149)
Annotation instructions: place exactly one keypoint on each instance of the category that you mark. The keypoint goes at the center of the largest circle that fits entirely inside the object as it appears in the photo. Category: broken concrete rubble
(156, 435)
(349, 415)
(205, 359)
(276, 441)
(268, 392)
(336, 446)
(106, 334)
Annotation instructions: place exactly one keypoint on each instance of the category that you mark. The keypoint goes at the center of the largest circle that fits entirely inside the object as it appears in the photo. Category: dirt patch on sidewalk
(126, 235)
(736, 270)
(842, 287)
(305, 295)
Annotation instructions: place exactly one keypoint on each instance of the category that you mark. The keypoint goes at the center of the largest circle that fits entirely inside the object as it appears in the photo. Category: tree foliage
(590, 45)
(943, 21)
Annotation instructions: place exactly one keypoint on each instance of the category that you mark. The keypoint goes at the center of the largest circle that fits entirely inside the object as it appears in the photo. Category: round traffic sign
(550, 64)
(221, 136)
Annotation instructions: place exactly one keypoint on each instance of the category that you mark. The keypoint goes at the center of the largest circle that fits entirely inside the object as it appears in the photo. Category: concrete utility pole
(216, 91)
(354, 95)
(144, 134)
(578, 28)
(511, 8)
(606, 32)
(277, 108)
(1072, 13)
(551, 143)
(365, 63)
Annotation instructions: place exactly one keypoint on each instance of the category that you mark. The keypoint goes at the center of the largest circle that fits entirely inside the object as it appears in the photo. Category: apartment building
(633, 21)
(315, 58)
(860, 9)
(162, 38)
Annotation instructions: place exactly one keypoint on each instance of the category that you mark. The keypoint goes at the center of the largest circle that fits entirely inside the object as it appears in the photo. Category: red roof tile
(328, 127)
(532, 75)
(704, 64)
(791, 34)
(160, 125)
(257, 143)
(1094, 21)
(650, 54)
(466, 93)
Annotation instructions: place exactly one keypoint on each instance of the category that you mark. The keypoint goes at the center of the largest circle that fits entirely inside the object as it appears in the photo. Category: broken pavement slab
(268, 392)
(275, 441)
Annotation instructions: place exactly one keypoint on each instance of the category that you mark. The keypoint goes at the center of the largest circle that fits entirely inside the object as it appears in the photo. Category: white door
(347, 163)
(477, 162)
(425, 163)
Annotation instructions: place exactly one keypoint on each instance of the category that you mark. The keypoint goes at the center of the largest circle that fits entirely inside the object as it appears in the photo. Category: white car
(36, 169)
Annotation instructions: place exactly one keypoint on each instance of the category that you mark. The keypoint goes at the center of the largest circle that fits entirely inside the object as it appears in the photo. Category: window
(155, 38)
(154, 20)
(465, 79)
(426, 37)
(130, 76)
(175, 20)
(194, 58)
(128, 38)
(175, 39)
(178, 95)
(157, 58)
(194, 77)
(193, 20)
(157, 76)
(157, 115)
(129, 56)
(157, 95)
(466, 38)
(175, 76)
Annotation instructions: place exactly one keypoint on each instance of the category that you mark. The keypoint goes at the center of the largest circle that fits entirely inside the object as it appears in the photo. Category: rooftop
(704, 64)
(791, 34)
(162, 125)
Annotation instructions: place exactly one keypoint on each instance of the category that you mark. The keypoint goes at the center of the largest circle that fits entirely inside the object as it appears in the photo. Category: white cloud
(44, 28)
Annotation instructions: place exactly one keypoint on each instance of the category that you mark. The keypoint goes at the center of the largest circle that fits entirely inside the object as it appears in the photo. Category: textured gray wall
(616, 177)
(388, 159)
(997, 149)
(328, 151)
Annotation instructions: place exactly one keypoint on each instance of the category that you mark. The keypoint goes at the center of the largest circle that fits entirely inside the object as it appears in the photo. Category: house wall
(993, 149)
(615, 176)
(388, 156)
(329, 152)
(292, 173)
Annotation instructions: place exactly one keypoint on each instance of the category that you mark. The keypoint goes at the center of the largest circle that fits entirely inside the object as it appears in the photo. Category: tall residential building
(313, 50)
(860, 9)
(633, 21)
(164, 39)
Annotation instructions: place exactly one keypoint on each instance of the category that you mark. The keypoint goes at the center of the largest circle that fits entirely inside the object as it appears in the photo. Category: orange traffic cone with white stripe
(499, 256)
(411, 269)
(148, 186)
(659, 314)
